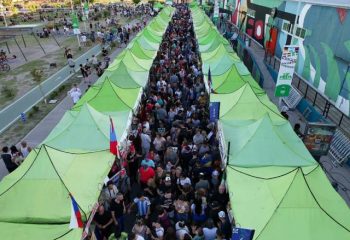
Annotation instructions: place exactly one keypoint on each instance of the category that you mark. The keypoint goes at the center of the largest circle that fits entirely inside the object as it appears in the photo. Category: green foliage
(36, 109)
(106, 13)
(7, 3)
(136, 1)
(113, 44)
(8, 92)
(37, 75)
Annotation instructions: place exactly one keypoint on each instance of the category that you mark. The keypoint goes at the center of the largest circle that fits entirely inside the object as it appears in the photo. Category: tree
(136, 1)
(6, 3)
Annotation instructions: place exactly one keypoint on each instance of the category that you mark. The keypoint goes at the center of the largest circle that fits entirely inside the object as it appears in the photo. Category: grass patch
(19, 129)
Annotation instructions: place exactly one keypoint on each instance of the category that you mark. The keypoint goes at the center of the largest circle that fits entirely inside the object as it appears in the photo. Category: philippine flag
(113, 142)
(75, 218)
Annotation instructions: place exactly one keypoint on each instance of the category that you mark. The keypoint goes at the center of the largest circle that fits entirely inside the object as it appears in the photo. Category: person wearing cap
(224, 225)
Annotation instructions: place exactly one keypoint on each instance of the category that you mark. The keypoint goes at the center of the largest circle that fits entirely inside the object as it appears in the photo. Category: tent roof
(110, 98)
(244, 104)
(133, 63)
(261, 143)
(234, 79)
(16, 231)
(219, 61)
(76, 129)
(140, 52)
(37, 192)
(295, 206)
(123, 77)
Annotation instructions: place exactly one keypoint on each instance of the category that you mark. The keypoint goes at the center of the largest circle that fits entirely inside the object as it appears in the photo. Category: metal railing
(318, 100)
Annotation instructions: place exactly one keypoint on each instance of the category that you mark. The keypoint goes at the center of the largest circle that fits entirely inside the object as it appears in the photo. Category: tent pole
(228, 152)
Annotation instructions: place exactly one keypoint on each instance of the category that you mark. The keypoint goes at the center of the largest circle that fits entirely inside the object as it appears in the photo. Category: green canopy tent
(129, 59)
(269, 192)
(237, 76)
(157, 6)
(244, 104)
(251, 143)
(110, 98)
(297, 205)
(140, 52)
(38, 191)
(76, 130)
(22, 231)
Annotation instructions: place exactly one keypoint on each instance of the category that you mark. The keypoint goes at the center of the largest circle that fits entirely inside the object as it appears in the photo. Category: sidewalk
(45, 126)
(335, 173)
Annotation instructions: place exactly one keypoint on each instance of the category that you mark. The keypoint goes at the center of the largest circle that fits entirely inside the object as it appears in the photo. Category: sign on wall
(216, 9)
(286, 71)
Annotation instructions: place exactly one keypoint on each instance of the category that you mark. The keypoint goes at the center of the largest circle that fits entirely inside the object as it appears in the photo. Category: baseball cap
(221, 214)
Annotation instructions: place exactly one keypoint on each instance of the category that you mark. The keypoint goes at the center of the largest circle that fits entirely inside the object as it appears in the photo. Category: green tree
(6, 3)
(136, 1)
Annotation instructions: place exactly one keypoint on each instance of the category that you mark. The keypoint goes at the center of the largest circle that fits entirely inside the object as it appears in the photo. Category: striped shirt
(142, 206)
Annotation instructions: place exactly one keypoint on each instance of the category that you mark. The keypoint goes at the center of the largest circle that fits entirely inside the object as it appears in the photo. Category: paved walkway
(335, 173)
(45, 126)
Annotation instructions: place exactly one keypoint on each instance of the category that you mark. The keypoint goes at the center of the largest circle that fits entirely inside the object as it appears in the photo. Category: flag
(75, 218)
(113, 142)
(210, 83)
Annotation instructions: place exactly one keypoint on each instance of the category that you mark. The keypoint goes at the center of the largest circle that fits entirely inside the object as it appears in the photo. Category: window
(289, 28)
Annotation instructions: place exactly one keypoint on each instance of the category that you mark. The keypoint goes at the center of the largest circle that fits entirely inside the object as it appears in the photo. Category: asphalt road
(12, 112)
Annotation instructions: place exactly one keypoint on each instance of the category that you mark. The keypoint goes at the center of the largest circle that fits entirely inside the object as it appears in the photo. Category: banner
(216, 9)
(86, 8)
(86, 230)
(318, 138)
(75, 23)
(242, 234)
(222, 145)
(285, 74)
(214, 111)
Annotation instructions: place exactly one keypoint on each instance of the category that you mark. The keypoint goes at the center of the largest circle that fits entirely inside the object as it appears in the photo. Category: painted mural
(323, 38)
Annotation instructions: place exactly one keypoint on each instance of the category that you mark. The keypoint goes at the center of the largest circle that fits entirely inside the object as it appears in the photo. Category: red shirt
(146, 174)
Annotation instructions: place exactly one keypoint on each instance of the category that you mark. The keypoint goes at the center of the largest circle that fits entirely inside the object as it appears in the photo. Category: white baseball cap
(221, 214)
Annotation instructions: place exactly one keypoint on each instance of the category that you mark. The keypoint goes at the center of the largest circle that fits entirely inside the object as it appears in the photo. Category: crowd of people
(171, 176)
(13, 156)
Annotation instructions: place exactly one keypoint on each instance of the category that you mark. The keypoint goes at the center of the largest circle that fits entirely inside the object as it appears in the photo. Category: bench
(340, 147)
